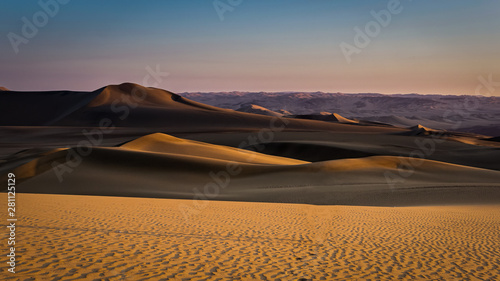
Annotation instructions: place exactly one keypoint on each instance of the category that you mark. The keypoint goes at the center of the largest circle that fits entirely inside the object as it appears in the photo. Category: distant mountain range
(475, 114)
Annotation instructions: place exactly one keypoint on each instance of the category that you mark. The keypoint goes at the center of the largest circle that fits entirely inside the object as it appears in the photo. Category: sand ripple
(64, 237)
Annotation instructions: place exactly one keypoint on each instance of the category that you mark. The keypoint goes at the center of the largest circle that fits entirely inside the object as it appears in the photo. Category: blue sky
(261, 45)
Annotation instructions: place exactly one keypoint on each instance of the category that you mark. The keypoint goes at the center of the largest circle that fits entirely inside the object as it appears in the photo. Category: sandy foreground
(70, 237)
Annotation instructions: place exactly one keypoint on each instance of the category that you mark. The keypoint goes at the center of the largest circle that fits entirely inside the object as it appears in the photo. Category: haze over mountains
(475, 114)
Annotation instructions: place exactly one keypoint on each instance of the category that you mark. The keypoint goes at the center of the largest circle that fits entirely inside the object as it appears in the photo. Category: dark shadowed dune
(41, 108)
(131, 105)
(162, 166)
(326, 116)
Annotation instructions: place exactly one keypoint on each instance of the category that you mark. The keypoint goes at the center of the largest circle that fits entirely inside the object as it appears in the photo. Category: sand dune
(93, 237)
(422, 130)
(257, 109)
(132, 105)
(321, 146)
(342, 119)
(419, 130)
(40, 108)
(147, 167)
(327, 116)
(497, 139)
(163, 143)
(4, 89)
(21, 144)
(401, 121)
(137, 95)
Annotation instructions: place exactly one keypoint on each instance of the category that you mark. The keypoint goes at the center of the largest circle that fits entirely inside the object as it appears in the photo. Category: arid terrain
(136, 183)
(67, 237)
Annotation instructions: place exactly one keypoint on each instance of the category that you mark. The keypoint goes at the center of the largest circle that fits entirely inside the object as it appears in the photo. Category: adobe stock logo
(221, 7)
(49, 9)
(363, 37)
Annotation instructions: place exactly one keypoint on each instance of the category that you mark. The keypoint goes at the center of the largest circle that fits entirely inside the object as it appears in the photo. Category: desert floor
(71, 237)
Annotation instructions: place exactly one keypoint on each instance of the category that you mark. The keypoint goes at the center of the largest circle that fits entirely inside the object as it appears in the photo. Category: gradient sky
(431, 47)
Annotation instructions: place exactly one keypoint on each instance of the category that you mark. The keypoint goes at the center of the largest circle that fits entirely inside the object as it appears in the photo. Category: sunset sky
(429, 47)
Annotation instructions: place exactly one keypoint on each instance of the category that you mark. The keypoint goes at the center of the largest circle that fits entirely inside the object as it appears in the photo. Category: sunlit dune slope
(163, 143)
(342, 119)
(174, 170)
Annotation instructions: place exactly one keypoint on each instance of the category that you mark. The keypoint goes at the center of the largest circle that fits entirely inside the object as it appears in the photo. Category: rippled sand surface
(61, 237)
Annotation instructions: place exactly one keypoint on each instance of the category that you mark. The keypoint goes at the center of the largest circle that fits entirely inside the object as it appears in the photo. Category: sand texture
(64, 237)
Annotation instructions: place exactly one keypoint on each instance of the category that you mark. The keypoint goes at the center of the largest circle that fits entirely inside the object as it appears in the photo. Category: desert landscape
(205, 193)
(250, 140)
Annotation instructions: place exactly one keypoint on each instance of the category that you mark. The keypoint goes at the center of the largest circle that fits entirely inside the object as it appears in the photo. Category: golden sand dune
(94, 238)
(164, 143)
(423, 128)
(21, 144)
(342, 119)
(164, 166)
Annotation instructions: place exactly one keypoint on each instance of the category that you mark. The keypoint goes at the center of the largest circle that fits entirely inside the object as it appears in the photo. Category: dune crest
(342, 119)
(163, 143)
(134, 95)
(327, 116)
(257, 109)
(423, 128)
(419, 130)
